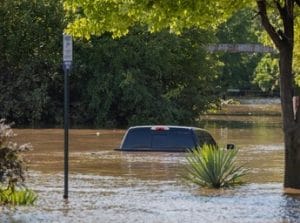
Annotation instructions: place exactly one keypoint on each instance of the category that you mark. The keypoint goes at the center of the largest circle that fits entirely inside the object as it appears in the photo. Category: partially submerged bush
(12, 169)
(17, 197)
(210, 166)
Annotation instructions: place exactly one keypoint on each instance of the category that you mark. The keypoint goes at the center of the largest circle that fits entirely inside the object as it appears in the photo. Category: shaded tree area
(140, 78)
(267, 73)
(144, 78)
(30, 89)
(238, 69)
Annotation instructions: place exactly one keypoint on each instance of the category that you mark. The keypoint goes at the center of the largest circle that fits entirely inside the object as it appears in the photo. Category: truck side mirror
(230, 146)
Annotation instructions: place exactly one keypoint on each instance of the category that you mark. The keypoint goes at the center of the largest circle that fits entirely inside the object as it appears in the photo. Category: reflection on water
(112, 186)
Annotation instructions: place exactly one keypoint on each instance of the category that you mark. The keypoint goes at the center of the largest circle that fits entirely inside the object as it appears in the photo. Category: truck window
(173, 138)
(204, 138)
(138, 138)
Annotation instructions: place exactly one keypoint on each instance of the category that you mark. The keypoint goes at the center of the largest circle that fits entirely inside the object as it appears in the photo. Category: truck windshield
(173, 138)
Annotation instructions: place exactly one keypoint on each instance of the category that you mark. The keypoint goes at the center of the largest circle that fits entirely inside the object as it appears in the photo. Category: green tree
(282, 35)
(117, 16)
(30, 57)
(238, 67)
(144, 78)
(266, 74)
(265, 38)
(277, 17)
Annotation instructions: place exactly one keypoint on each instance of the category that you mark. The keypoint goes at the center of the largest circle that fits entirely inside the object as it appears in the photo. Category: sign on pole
(67, 51)
(67, 63)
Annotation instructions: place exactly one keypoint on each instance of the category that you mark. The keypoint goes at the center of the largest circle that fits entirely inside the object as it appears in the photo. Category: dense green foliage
(145, 78)
(268, 62)
(90, 17)
(140, 78)
(30, 60)
(137, 79)
(210, 166)
(267, 73)
(239, 68)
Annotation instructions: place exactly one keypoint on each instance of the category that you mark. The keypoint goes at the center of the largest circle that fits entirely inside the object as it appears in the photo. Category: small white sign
(67, 48)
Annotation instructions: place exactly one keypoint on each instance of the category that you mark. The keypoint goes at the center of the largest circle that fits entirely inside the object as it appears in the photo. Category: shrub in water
(210, 166)
(17, 197)
(12, 169)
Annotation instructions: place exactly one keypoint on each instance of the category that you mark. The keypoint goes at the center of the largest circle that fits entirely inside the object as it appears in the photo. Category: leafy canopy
(112, 74)
(267, 73)
(89, 17)
(30, 48)
(92, 17)
(238, 68)
(265, 39)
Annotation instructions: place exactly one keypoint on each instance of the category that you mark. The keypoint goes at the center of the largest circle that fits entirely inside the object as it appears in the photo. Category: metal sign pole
(67, 63)
(66, 133)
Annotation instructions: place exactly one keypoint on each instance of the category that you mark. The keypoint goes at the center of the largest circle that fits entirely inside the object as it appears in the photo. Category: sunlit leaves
(265, 39)
(116, 16)
(267, 73)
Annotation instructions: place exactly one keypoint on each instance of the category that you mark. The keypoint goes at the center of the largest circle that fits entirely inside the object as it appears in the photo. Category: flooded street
(113, 186)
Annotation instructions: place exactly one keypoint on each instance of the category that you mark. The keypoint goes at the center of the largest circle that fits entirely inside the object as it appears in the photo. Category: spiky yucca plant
(210, 166)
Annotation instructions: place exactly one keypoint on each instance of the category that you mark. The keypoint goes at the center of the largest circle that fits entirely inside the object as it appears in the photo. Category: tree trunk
(283, 38)
(290, 124)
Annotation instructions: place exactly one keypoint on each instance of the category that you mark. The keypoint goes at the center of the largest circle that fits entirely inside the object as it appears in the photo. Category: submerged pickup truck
(165, 138)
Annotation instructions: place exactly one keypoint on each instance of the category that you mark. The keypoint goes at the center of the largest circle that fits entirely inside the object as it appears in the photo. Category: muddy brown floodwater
(113, 186)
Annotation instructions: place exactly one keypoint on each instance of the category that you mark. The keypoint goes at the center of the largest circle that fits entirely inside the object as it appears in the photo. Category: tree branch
(289, 4)
(288, 21)
(281, 9)
(283, 15)
(262, 11)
